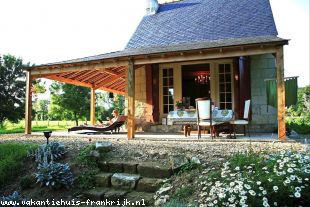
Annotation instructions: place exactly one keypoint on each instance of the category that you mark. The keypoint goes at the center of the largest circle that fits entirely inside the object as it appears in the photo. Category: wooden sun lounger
(115, 126)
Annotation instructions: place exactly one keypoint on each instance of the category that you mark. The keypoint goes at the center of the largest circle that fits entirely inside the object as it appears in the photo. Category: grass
(37, 126)
(12, 157)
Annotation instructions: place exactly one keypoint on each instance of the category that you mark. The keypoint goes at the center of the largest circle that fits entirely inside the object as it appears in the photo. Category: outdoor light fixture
(47, 135)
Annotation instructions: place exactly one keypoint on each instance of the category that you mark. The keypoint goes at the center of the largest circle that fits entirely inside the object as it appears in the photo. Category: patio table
(187, 118)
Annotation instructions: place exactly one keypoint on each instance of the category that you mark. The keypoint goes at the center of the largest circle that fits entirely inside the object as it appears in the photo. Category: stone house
(192, 48)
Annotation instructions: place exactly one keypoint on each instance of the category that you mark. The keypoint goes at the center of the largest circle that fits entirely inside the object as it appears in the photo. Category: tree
(41, 109)
(12, 89)
(105, 105)
(70, 98)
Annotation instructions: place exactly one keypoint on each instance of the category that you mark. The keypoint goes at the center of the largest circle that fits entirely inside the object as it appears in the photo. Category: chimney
(151, 7)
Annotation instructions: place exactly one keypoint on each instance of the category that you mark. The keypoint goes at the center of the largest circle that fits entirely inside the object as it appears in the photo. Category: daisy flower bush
(258, 179)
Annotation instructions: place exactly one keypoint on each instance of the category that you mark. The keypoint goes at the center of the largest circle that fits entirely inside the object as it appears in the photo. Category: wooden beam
(28, 104)
(92, 106)
(207, 54)
(131, 100)
(281, 94)
(62, 69)
(112, 90)
(70, 81)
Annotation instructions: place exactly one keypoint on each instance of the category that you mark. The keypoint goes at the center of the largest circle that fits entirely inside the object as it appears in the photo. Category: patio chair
(242, 122)
(115, 126)
(204, 116)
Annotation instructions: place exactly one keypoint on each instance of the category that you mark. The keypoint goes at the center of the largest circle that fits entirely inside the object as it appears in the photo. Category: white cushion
(207, 123)
(204, 107)
(239, 122)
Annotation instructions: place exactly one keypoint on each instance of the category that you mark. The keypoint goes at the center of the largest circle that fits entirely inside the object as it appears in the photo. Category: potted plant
(180, 105)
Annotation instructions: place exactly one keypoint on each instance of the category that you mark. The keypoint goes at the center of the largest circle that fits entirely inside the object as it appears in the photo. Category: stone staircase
(131, 181)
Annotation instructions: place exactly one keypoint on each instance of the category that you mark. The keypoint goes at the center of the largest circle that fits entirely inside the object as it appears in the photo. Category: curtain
(291, 88)
(271, 91)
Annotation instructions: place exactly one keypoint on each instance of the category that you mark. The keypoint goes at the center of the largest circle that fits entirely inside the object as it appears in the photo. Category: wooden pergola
(115, 72)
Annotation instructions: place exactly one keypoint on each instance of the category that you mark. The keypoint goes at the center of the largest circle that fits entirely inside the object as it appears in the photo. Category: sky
(45, 31)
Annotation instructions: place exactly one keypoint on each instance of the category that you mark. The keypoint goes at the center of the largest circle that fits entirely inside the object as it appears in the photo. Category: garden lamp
(47, 135)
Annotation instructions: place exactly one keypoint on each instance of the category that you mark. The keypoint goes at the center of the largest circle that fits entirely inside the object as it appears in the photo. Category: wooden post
(28, 104)
(281, 94)
(92, 106)
(131, 100)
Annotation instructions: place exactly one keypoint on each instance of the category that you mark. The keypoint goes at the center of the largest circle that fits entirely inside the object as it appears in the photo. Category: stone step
(154, 170)
(124, 181)
(150, 185)
(100, 194)
(103, 179)
(96, 194)
(118, 167)
(140, 199)
(146, 169)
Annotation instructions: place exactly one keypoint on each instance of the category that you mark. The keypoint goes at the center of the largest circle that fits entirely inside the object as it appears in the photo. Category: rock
(96, 194)
(177, 161)
(130, 168)
(104, 146)
(149, 185)
(195, 160)
(95, 154)
(115, 167)
(164, 189)
(103, 179)
(161, 200)
(154, 170)
(114, 195)
(124, 181)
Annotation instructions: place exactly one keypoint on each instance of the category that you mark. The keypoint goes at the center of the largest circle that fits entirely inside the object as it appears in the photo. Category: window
(168, 91)
(225, 88)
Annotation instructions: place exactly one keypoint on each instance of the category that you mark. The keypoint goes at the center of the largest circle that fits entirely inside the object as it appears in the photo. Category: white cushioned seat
(239, 122)
(207, 123)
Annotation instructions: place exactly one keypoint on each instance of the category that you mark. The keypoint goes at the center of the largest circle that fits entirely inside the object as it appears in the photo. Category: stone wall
(263, 119)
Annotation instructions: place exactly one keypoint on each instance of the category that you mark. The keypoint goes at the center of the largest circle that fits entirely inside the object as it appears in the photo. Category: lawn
(12, 157)
(37, 126)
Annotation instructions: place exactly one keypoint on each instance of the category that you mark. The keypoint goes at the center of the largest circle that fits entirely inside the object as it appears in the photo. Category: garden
(218, 174)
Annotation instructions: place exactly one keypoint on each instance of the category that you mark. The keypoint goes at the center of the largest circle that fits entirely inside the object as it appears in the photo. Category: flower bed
(251, 179)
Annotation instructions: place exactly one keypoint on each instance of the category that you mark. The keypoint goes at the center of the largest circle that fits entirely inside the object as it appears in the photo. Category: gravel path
(145, 150)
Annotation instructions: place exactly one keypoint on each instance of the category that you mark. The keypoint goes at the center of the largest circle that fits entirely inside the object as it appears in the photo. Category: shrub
(12, 157)
(52, 151)
(85, 159)
(280, 179)
(183, 193)
(175, 203)
(299, 124)
(26, 182)
(54, 175)
(189, 167)
(12, 200)
(86, 180)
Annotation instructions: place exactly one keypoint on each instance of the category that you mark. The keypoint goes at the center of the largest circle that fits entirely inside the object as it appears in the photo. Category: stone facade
(143, 111)
(263, 119)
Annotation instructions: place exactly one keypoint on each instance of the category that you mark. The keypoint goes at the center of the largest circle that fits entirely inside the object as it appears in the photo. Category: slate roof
(191, 21)
(178, 48)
